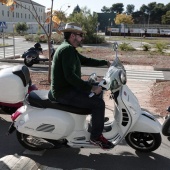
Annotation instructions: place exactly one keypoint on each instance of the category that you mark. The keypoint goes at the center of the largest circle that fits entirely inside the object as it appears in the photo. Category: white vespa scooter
(42, 124)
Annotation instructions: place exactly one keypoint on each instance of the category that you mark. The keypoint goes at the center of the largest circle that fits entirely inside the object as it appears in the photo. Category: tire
(9, 110)
(166, 127)
(143, 142)
(23, 140)
(28, 62)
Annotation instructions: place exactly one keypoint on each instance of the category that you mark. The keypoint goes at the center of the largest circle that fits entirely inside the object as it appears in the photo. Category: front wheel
(143, 142)
(166, 127)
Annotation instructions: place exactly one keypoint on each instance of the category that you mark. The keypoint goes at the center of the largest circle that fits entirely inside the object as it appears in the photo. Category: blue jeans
(96, 104)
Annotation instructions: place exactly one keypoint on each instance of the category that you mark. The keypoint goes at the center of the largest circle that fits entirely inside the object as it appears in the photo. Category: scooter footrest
(106, 128)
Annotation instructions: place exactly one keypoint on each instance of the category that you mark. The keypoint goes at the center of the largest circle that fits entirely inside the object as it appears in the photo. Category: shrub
(57, 38)
(160, 46)
(93, 39)
(126, 47)
(146, 47)
(21, 28)
(42, 38)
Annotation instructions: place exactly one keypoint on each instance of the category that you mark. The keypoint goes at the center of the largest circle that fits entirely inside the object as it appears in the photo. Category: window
(8, 13)
(21, 15)
(2, 12)
(25, 15)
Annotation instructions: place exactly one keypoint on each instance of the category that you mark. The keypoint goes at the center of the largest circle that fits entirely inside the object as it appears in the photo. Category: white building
(20, 14)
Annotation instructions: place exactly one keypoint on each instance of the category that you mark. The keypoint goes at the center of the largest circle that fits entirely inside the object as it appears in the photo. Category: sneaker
(102, 142)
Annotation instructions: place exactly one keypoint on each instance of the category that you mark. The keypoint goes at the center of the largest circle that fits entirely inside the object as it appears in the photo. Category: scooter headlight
(122, 77)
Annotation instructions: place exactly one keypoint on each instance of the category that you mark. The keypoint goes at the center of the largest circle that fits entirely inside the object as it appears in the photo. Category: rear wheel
(28, 61)
(143, 142)
(9, 110)
(25, 141)
(166, 127)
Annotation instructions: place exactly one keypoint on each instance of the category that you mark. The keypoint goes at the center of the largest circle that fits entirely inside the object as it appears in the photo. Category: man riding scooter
(68, 88)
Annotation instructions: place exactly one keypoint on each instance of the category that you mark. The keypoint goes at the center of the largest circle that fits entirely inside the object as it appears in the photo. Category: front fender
(147, 123)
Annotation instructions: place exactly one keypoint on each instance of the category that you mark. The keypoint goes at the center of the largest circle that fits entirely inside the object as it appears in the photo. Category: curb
(161, 69)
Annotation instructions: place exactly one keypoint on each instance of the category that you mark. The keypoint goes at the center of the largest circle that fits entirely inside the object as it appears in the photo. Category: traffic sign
(3, 24)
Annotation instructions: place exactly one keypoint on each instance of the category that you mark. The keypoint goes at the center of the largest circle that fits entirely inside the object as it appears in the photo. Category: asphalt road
(122, 157)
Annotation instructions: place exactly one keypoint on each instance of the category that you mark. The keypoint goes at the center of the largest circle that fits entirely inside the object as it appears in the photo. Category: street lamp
(97, 29)
(66, 8)
(63, 11)
(149, 13)
(109, 29)
(13, 25)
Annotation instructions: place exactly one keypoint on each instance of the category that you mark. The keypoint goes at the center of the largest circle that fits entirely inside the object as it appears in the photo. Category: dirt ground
(160, 91)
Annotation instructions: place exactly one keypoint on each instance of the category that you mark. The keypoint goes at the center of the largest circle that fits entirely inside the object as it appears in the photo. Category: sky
(94, 6)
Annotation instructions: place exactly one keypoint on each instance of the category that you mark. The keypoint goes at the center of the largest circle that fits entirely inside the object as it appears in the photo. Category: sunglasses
(81, 35)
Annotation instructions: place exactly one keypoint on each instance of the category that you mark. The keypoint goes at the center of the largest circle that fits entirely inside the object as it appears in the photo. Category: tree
(123, 18)
(166, 18)
(117, 8)
(139, 17)
(130, 9)
(77, 9)
(105, 9)
(157, 13)
(153, 12)
(21, 28)
(167, 7)
(87, 20)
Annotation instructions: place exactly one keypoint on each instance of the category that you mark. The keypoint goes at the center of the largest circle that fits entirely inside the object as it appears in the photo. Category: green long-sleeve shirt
(66, 70)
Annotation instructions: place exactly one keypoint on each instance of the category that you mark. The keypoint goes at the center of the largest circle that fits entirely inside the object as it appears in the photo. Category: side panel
(45, 123)
(147, 123)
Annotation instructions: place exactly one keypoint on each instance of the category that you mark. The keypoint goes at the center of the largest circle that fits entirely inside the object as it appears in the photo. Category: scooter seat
(39, 98)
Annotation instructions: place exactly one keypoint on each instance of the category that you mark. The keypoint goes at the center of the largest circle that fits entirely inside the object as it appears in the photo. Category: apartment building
(17, 13)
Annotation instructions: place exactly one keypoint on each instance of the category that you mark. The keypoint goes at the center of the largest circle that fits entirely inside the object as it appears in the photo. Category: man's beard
(80, 44)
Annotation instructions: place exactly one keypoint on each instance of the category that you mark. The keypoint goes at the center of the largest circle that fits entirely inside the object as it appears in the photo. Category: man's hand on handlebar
(108, 63)
(96, 89)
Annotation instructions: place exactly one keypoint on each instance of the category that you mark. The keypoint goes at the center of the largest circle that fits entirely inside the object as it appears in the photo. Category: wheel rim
(142, 140)
(28, 60)
(29, 140)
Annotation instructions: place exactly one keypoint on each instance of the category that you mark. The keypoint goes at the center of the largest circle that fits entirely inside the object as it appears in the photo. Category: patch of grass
(1, 45)
(150, 40)
(81, 49)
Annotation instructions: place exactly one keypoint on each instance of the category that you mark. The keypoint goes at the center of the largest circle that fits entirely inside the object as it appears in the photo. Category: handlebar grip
(91, 94)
